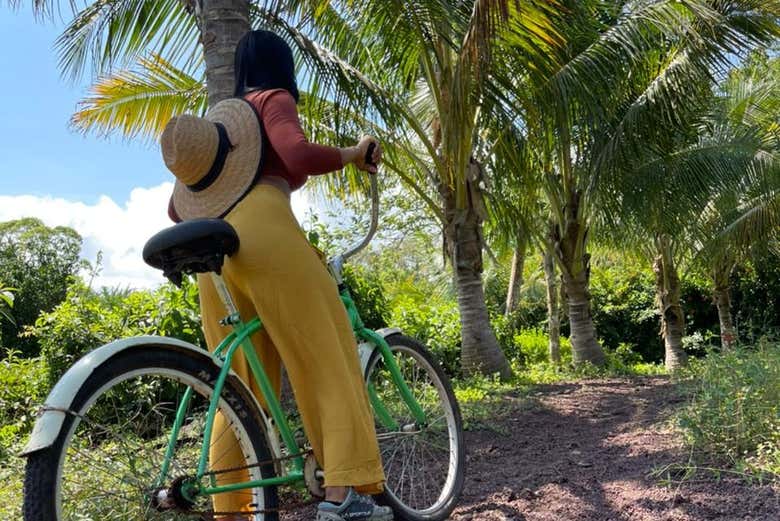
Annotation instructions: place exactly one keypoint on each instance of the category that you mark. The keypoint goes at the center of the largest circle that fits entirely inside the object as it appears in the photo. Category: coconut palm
(419, 70)
(748, 213)
(706, 166)
(519, 217)
(424, 67)
(631, 73)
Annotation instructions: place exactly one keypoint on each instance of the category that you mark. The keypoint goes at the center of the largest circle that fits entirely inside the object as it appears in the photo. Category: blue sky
(113, 192)
(39, 153)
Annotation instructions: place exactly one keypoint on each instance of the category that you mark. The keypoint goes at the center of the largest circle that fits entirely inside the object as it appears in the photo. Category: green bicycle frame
(368, 335)
(223, 357)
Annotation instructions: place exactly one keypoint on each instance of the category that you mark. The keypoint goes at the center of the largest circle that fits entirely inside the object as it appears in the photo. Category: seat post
(224, 295)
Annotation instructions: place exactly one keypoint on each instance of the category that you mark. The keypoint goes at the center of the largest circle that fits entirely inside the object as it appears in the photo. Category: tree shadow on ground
(585, 452)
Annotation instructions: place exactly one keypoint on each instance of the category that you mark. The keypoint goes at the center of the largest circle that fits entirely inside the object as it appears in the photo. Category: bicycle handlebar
(374, 221)
(336, 264)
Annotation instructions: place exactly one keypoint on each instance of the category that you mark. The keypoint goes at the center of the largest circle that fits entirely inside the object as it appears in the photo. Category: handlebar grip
(369, 153)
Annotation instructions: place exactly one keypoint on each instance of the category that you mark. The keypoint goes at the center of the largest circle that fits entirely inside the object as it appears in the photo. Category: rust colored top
(288, 154)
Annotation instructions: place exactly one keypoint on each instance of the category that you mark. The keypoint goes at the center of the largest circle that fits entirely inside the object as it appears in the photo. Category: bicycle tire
(44, 483)
(403, 499)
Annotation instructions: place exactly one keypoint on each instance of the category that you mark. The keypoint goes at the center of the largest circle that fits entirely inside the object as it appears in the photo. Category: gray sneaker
(355, 507)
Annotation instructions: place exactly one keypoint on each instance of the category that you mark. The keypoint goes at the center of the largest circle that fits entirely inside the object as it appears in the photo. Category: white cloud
(120, 232)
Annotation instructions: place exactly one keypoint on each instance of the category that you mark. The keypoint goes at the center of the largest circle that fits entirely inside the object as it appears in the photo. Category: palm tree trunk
(222, 24)
(722, 297)
(667, 284)
(515, 279)
(569, 244)
(480, 352)
(553, 310)
(585, 347)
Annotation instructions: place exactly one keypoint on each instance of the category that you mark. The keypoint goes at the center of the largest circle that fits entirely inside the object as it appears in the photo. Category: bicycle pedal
(312, 476)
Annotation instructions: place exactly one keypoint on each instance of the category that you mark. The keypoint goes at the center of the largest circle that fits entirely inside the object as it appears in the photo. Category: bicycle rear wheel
(424, 464)
(106, 461)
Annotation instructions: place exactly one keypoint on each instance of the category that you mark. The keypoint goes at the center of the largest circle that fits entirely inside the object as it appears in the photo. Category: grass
(484, 400)
(11, 482)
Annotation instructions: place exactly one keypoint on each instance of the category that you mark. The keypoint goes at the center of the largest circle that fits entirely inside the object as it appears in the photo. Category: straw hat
(216, 159)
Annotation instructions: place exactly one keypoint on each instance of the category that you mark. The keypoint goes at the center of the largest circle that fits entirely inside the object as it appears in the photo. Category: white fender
(387, 331)
(49, 423)
(50, 420)
(365, 348)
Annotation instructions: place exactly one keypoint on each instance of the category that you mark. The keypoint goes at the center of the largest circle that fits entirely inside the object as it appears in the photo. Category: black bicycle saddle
(193, 246)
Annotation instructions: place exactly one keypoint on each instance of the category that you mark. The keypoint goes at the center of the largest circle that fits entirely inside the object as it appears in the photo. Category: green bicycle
(125, 434)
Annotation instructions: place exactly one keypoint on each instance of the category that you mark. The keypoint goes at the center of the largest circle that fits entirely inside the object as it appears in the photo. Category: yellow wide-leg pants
(277, 275)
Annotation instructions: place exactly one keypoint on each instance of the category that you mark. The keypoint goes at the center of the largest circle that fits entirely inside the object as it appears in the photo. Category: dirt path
(583, 451)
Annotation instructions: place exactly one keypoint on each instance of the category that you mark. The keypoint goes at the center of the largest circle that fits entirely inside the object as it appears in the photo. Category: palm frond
(140, 101)
(402, 157)
(755, 220)
(337, 81)
(114, 33)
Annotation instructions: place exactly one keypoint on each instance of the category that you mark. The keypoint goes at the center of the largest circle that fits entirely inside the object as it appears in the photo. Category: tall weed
(734, 413)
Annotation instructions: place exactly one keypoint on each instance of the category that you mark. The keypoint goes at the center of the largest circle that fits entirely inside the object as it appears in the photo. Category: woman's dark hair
(264, 61)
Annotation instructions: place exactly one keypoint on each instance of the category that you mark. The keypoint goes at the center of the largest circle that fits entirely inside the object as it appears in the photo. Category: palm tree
(628, 76)
(440, 58)
(705, 166)
(519, 217)
(749, 213)
(419, 69)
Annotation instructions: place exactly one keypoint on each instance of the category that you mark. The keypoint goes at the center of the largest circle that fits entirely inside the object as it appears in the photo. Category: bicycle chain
(258, 464)
(209, 516)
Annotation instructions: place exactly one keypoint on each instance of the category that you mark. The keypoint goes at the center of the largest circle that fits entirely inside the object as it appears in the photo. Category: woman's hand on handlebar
(359, 154)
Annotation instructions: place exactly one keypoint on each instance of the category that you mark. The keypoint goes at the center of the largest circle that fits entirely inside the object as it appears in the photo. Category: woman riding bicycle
(277, 275)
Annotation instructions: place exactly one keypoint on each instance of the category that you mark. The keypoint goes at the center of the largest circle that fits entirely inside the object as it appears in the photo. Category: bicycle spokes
(417, 457)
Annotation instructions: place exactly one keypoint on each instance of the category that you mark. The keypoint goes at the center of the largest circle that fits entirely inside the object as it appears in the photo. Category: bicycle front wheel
(107, 461)
(424, 464)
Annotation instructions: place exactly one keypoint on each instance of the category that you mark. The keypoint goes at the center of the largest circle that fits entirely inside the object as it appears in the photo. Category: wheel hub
(410, 428)
(179, 496)
(312, 475)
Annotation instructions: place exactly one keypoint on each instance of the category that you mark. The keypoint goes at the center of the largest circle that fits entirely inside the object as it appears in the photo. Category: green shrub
(22, 388)
(84, 321)
(435, 323)
(755, 286)
(531, 307)
(526, 346)
(734, 413)
(624, 310)
(534, 346)
(505, 329)
(87, 319)
(368, 295)
(624, 361)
